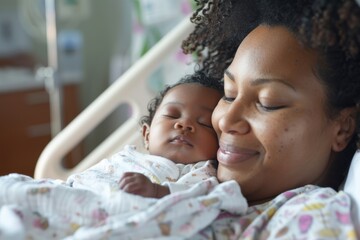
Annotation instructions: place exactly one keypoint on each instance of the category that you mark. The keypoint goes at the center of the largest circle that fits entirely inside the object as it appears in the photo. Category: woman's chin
(224, 174)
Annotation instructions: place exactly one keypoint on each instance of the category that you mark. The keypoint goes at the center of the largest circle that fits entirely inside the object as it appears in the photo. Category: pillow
(352, 187)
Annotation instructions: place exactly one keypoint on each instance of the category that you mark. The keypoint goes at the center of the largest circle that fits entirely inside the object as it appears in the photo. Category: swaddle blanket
(104, 176)
(50, 209)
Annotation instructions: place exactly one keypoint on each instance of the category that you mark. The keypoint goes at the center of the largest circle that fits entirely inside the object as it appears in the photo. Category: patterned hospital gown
(105, 175)
(308, 212)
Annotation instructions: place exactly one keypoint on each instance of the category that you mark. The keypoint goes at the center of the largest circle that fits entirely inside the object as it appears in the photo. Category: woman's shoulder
(307, 208)
(303, 199)
(308, 212)
(313, 196)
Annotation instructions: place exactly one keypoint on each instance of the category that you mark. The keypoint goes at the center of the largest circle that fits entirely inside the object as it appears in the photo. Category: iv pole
(49, 74)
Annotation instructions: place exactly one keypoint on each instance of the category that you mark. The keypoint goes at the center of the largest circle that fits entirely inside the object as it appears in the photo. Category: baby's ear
(346, 126)
(146, 133)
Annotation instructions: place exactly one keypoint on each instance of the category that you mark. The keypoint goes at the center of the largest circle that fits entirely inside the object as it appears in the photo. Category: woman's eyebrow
(260, 81)
(229, 74)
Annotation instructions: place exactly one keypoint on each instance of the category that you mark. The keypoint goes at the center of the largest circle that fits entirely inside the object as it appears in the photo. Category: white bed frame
(125, 90)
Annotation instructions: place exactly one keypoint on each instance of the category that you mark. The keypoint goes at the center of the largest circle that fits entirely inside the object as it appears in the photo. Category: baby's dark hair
(198, 77)
(330, 27)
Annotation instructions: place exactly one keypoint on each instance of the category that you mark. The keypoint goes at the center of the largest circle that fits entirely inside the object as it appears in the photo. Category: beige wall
(106, 32)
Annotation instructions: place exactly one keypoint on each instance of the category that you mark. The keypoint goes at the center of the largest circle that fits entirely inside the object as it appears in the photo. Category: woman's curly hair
(330, 27)
(198, 77)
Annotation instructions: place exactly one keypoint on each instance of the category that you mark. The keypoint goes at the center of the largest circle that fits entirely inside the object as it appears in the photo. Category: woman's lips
(229, 156)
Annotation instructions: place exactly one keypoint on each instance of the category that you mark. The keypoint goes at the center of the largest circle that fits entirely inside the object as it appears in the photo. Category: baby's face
(181, 129)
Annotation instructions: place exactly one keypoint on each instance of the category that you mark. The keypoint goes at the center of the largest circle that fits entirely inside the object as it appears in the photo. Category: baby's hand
(137, 183)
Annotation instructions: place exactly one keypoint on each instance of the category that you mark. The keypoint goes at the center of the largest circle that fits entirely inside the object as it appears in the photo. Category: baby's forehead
(188, 107)
(190, 91)
(191, 96)
(188, 87)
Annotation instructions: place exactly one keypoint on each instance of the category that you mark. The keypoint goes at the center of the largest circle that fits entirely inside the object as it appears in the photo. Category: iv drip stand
(49, 74)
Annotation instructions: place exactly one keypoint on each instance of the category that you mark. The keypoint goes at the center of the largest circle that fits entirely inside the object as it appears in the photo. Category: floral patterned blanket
(50, 209)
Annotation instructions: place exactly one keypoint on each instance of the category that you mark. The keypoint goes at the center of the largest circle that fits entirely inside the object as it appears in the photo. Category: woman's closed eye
(268, 107)
(262, 106)
(228, 99)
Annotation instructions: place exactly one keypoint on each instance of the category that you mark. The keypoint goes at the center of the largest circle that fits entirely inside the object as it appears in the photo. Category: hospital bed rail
(125, 89)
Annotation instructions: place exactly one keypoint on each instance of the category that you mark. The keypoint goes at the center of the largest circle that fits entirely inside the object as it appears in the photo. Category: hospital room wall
(105, 31)
(116, 34)
(109, 43)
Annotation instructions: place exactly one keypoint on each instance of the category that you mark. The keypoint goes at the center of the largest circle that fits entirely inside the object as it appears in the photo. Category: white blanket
(48, 209)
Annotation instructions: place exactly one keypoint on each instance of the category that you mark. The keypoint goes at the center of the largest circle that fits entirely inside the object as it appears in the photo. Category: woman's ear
(146, 133)
(346, 126)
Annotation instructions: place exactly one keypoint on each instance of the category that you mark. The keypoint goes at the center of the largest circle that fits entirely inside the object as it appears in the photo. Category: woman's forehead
(274, 53)
(275, 43)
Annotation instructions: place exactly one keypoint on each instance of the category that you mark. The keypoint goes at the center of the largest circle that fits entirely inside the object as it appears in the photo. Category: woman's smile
(229, 155)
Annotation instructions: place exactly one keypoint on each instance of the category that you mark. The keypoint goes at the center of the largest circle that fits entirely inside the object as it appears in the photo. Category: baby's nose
(184, 125)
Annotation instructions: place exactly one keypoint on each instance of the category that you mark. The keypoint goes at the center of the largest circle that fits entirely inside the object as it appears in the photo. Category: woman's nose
(184, 125)
(233, 121)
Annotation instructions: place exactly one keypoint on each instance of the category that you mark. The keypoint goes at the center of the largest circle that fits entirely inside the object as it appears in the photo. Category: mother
(288, 123)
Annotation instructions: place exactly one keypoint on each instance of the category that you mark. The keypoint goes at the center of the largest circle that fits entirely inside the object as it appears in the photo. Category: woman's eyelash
(228, 99)
(261, 106)
(269, 108)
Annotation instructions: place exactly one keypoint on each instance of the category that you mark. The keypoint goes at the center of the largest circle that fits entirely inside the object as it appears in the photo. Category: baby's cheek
(215, 118)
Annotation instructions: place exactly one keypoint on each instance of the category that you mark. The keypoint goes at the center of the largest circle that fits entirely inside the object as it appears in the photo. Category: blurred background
(56, 57)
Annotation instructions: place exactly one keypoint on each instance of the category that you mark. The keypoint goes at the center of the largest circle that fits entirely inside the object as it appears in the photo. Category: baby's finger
(125, 180)
(131, 187)
(126, 175)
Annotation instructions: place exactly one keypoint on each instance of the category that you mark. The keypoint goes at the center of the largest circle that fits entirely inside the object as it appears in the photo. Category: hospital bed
(130, 84)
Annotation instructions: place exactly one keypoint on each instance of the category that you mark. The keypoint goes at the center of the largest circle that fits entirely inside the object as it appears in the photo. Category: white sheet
(48, 209)
(352, 187)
